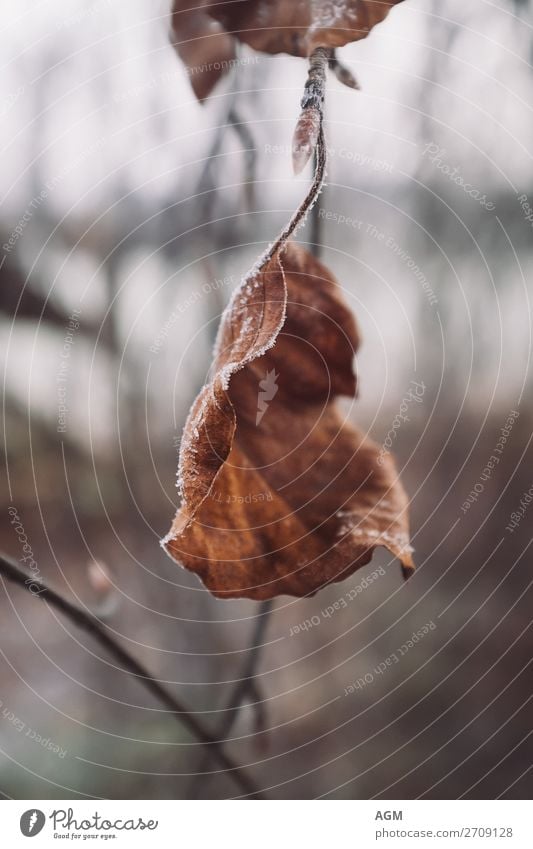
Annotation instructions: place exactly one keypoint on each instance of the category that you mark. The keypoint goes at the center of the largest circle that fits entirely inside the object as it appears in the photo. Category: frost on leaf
(205, 32)
(298, 499)
(280, 493)
(299, 26)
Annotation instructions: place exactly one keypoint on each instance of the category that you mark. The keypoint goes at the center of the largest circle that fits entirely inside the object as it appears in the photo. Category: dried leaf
(205, 33)
(297, 500)
(206, 50)
(298, 27)
(280, 494)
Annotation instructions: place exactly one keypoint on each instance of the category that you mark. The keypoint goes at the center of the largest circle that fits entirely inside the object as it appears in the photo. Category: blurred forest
(129, 213)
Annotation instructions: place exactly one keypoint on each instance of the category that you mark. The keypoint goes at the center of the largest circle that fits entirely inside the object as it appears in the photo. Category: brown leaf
(206, 50)
(205, 32)
(298, 27)
(280, 494)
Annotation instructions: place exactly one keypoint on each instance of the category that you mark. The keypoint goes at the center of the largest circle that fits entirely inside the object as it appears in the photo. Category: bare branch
(242, 129)
(247, 684)
(88, 622)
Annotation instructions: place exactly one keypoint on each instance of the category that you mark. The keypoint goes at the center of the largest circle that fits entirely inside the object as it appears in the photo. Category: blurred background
(129, 213)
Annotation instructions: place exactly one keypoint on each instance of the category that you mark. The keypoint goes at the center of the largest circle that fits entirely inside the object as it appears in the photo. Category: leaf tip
(408, 568)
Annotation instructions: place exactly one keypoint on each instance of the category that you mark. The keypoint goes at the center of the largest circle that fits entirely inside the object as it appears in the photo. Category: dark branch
(242, 130)
(88, 622)
(19, 300)
(247, 678)
(246, 685)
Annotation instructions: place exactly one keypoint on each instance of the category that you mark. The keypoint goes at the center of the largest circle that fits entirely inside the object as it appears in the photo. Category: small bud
(343, 74)
(99, 578)
(305, 138)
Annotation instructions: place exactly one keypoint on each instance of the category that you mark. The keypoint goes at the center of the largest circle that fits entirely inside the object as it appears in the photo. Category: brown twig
(315, 235)
(309, 127)
(88, 622)
(247, 684)
(248, 677)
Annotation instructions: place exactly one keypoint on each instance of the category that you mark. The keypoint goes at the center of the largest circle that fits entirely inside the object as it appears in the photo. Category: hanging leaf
(280, 493)
(299, 26)
(294, 499)
(205, 33)
(206, 50)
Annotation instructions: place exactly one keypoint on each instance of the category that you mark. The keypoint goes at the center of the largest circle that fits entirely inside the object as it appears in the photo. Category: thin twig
(246, 684)
(309, 127)
(242, 129)
(315, 236)
(207, 184)
(88, 622)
